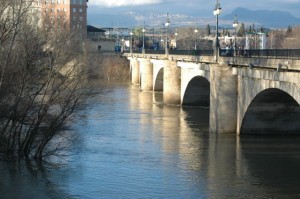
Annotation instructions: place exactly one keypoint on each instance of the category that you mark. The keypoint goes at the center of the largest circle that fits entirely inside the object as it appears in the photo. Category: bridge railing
(192, 52)
(177, 52)
(267, 53)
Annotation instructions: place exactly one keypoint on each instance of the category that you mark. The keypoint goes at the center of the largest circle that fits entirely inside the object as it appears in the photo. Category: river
(127, 146)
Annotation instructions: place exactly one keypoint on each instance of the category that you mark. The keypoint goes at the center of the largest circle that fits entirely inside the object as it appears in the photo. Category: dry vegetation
(187, 38)
(108, 66)
(42, 81)
(284, 38)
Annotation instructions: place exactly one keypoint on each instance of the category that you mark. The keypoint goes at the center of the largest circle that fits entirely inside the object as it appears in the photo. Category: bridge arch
(159, 80)
(197, 92)
(272, 111)
(158, 74)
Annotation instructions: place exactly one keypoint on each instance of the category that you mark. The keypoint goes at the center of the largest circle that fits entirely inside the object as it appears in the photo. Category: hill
(266, 18)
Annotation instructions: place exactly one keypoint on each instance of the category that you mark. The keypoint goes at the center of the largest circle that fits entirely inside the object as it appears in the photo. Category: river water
(127, 146)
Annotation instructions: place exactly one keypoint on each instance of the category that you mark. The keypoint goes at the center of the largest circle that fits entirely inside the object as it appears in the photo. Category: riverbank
(108, 66)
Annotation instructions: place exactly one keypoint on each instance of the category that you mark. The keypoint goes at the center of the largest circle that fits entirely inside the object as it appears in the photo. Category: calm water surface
(126, 146)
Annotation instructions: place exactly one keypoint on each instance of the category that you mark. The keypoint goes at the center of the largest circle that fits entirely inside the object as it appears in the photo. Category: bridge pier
(172, 83)
(135, 71)
(146, 68)
(223, 100)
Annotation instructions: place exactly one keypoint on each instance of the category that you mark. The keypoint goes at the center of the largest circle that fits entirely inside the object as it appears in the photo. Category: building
(256, 41)
(95, 33)
(73, 13)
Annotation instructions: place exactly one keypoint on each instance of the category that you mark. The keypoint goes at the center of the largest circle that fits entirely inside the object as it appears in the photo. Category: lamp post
(176, 34)
(122, 44)
(143, 30)
(217, 12)
(167, 24)
(161, 41)
(196, 36)
(235, 25)
(131, 34)
(118, 42)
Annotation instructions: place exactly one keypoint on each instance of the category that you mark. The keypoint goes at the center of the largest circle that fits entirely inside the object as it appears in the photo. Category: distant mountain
(151, 19)
(266, 18)
(111, 20)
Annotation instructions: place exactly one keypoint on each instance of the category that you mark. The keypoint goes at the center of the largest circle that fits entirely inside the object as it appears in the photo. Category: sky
(102, 13)
(202, 8)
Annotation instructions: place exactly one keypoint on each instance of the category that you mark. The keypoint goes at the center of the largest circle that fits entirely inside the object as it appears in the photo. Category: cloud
(120, 3)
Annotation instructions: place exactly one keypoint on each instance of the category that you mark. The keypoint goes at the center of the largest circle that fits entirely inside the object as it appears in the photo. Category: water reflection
(130, 147)
(274, 162)
(25, 179)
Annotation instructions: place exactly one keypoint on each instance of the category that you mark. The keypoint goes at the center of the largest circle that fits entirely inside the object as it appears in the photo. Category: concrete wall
(253, 82)
(273, 63)
(135, 71)
(146, 71)
(105, 45)
(223, 99)
(172, 83)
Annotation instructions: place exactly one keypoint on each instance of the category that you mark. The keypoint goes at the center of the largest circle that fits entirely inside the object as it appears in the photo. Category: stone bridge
(244, 95)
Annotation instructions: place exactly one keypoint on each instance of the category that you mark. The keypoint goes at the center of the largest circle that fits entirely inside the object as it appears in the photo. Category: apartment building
(73, 12)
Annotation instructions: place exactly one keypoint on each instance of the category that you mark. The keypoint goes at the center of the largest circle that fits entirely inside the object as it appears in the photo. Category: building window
(80, 18)
(80, 2)
(52, 1)
(46, 1)
(74, 10)
(58, 9)
(65, 9)
(74, 18)
(74, 2)
(58, 1)
(80, 9)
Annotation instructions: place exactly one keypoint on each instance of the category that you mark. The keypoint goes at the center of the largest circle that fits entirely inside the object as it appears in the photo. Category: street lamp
(144, 30)
(131, 34)
(122, 44)
(176, 34)
(217, 12)
(118, 42)
(161, 41)
(167, 24)
(196, 34)
(235, 25)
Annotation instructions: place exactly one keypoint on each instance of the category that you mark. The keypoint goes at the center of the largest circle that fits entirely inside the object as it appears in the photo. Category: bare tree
(276, 39)
(292, 38)
(43, 80)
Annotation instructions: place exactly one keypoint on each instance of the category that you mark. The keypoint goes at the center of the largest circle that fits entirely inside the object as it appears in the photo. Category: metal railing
(267, 53)
(193, 52)
(177, 52)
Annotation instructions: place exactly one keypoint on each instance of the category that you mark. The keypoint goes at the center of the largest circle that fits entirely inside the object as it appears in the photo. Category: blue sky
(202, 8)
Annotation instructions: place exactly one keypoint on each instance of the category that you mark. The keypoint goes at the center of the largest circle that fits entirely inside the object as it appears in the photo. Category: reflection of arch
(272, 111)
(159, 80)
(197, 92)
